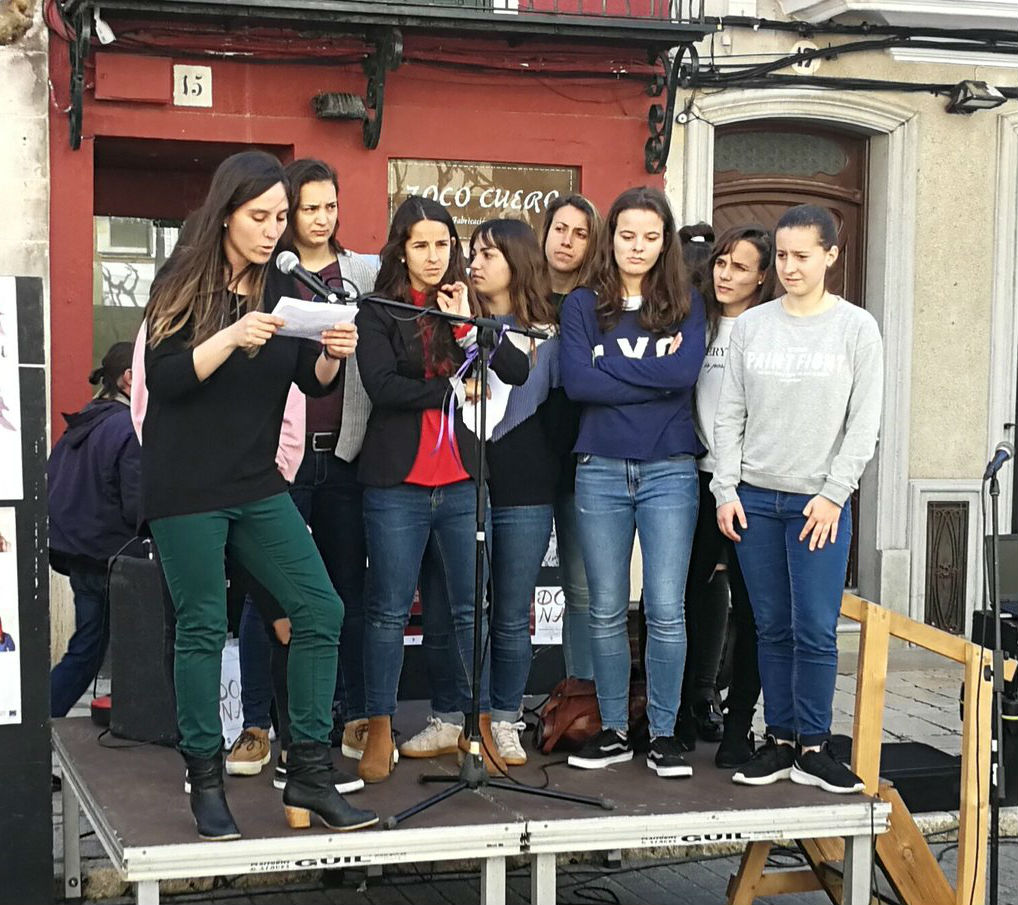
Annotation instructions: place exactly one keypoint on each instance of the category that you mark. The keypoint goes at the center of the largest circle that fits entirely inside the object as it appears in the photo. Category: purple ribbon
(448, 418)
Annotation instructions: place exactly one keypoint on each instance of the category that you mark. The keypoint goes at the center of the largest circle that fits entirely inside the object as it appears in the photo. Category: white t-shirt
(708, 390)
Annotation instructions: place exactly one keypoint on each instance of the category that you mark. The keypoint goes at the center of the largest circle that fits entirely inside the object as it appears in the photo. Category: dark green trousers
(270, 540)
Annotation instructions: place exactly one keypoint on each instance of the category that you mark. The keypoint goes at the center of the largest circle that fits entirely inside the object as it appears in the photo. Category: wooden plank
(975, 779)
(779, 882)
(906, 858)
(742, 887)
(1010, 668)
(871, 683)
(822, 855)
(953, 647)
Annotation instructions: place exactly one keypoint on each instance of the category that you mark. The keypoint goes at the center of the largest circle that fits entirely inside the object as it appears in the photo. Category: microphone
(287, 262)
(1001, 454)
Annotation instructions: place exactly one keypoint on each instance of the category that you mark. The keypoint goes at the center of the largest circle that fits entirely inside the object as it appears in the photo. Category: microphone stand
(997, 783)
(473, 775)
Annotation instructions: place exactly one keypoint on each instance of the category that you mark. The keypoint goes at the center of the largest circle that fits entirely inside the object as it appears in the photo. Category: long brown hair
(594, 226)
(763, 241)
(665, 288)
(394, 279)
(529, 289)
(193, 287)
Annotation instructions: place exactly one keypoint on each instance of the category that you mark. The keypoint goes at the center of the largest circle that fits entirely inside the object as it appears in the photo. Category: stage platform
(133, 799)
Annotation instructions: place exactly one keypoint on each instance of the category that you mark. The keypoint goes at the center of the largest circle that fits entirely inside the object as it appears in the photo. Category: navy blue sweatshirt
(94, 477)
(637, 399)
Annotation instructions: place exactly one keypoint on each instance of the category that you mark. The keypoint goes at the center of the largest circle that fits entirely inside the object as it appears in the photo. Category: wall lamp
(969, 96)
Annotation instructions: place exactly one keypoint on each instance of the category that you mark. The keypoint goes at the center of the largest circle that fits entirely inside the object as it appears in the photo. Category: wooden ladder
(902, 852)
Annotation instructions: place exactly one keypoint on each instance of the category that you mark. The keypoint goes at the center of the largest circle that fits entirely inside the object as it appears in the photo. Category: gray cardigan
(361, 271)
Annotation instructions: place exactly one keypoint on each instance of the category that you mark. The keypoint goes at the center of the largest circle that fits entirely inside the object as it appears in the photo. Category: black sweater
(212, 444)
(390, 359)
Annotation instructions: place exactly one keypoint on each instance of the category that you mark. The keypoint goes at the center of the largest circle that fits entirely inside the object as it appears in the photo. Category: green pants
(270, 540)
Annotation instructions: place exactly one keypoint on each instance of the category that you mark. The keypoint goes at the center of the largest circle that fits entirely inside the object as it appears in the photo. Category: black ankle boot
(310, 789)
(685, 728)
(737, 744)
(208, 800)
(710, 724)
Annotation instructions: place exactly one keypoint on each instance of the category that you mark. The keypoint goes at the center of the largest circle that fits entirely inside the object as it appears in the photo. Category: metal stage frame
(120, 792)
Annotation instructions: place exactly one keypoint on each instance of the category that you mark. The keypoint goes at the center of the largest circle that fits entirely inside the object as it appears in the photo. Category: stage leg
(493, 881)
(858, 870)
(148, 892)
(71, 815)
(542, 879)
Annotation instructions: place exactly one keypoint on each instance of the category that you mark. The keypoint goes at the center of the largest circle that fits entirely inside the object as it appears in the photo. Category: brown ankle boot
(493, 761)
(379, 753)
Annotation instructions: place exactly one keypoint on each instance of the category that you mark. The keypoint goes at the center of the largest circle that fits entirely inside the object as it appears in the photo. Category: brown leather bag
(569, 717)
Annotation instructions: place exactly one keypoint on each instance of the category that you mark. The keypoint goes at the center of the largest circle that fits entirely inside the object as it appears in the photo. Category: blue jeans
(519, 540)
(576, 621)
(255, 653)
(330, 499)
(617, 498)
(449, 687)
(70, 678)
(399, 524)
(796, 598)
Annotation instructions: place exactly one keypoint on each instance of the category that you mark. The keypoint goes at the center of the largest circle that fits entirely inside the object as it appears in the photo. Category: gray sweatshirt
(800, 402)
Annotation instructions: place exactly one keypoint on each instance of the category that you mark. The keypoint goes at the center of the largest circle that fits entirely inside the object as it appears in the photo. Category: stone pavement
(921, 705)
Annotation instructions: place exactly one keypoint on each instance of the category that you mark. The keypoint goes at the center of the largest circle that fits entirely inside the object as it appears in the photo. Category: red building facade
(573, 93)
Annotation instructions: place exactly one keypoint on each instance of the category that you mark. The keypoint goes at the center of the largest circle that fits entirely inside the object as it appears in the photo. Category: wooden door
(763, 168)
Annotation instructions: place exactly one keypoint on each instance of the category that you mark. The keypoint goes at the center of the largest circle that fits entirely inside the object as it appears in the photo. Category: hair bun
(95, 378)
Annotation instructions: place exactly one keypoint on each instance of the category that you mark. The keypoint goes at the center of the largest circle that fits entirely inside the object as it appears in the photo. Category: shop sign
(473, 192)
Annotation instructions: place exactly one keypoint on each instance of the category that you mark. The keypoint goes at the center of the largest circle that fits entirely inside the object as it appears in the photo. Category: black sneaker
(819, 768)
(604, 749)
(769, 764)
(665, 757)
(345, 783)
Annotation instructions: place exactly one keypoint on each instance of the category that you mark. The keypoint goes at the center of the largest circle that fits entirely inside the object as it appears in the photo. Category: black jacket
(390, 358)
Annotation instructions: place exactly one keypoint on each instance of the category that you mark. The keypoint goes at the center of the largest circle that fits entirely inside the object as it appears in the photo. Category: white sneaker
(434, 740)
(507, 739)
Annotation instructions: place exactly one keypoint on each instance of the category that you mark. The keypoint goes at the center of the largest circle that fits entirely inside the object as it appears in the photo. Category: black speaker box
(141, 653)
(926, 778)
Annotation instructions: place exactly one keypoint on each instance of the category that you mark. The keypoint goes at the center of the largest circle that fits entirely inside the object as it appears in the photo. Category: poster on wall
(10, 628)
(10, 394)
(474, 191)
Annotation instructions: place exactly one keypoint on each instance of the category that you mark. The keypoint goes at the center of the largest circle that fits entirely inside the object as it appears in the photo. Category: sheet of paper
(498, 401)
(307, 320)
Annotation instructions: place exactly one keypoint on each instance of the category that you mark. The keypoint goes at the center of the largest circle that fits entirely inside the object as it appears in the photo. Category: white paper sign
(231, 713)
(307, 320)
(11, 487)
(549, 608)
(10, 626)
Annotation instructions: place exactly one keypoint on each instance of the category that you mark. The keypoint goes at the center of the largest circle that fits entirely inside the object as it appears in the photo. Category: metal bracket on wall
(387, 56)
(679, 69)
(77, 50)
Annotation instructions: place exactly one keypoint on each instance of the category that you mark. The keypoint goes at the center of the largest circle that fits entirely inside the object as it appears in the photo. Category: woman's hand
(727, 515)
(254, 329)
(453, 298)
(821, 521)
(472, 386)
(676, 342)
(340, 341)
(282, 629)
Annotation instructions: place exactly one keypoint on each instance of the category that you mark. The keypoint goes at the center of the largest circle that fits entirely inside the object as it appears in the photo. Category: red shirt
(434, 467)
